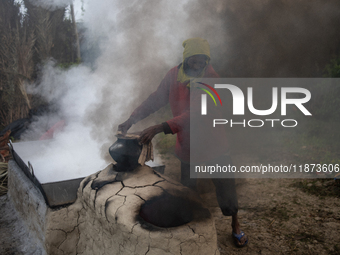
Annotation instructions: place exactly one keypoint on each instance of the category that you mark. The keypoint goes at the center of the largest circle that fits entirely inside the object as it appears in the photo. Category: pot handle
(30, 167)
(10, 145)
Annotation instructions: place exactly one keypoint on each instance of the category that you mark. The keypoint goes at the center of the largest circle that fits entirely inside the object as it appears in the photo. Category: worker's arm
(125, 126)
(154, 102)
(149, 133)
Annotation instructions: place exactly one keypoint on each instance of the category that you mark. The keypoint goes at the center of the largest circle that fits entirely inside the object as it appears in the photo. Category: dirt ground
(276, 214)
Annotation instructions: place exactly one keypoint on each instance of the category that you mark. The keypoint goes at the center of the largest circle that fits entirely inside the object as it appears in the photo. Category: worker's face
(197, 62)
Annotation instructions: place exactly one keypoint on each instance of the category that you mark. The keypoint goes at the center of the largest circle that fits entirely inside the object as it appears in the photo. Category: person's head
(196, 55)
(195, 63)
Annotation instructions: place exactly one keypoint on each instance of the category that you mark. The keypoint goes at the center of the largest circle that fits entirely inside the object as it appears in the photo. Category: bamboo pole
(76, 33)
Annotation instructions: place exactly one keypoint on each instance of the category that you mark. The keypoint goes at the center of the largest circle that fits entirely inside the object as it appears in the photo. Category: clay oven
(136, 212)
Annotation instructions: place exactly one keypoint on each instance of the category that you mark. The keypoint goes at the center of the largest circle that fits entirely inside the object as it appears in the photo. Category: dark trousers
(225, 187)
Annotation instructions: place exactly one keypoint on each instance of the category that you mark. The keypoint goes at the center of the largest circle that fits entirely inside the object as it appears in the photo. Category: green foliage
(332, 98)
(327, 100)
(165, 143)
(333, 68)
(325, 103)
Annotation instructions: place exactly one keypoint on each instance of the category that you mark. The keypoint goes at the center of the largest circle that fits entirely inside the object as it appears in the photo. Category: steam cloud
(139, 41)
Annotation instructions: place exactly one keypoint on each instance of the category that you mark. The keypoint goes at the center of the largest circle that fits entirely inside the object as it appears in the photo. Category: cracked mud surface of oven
(139, 212)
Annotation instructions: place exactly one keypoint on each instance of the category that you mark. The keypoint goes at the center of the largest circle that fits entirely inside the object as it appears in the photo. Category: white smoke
(73, 152)
(139, 42)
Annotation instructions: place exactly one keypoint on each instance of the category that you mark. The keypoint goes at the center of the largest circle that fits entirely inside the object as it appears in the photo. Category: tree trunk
(76, 34)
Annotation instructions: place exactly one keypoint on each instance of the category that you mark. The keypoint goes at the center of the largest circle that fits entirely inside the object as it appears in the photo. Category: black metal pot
(126, 153)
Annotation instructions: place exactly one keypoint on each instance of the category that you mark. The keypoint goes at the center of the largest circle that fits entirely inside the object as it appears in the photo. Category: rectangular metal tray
(59, 193)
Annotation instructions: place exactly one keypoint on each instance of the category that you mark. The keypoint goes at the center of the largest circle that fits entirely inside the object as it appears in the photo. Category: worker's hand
(149, 133)
(125, 126)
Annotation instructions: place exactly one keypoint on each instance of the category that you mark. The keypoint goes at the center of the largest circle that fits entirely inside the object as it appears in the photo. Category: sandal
(237, 239)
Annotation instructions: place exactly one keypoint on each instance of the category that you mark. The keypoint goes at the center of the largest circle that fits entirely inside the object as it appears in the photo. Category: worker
(175, 90)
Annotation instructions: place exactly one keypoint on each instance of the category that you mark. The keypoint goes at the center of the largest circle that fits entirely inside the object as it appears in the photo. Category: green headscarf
(193, 46)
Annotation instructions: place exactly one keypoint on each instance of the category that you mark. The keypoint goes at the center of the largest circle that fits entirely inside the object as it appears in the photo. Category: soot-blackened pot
(126, 153)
